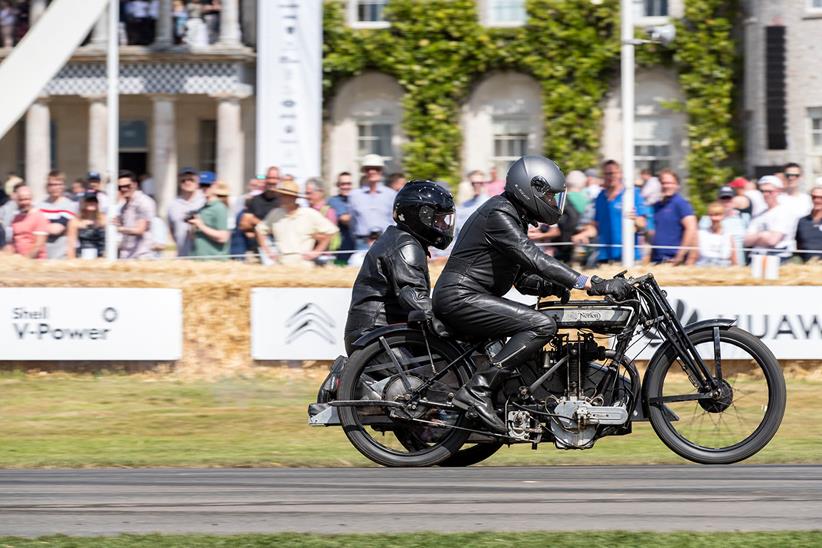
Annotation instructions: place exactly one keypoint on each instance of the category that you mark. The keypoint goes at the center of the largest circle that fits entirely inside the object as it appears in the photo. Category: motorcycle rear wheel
(370, 374)
(729, 428)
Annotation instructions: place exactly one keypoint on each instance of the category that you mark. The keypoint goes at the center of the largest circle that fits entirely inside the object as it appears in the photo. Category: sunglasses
(792, 175)
(124, 187)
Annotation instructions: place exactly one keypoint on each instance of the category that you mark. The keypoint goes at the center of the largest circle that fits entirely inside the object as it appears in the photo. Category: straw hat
(289, 188)
(220, 188)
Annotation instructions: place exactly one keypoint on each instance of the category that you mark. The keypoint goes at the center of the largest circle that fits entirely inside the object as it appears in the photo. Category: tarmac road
(228, 501)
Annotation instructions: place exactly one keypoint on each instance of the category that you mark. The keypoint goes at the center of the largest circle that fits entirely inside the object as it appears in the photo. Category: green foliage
(437, 50)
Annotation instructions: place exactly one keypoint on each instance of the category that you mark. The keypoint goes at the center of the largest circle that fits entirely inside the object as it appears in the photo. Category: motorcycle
(713, 393)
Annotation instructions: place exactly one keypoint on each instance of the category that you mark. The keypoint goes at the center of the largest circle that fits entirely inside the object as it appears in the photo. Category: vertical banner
(289, 86)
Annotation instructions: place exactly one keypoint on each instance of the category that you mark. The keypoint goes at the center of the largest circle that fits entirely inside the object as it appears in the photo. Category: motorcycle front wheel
(425, 436)
(734, 423)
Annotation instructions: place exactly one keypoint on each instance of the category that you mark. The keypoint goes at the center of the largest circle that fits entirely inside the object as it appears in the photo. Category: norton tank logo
(590, 315)
(685, 317)
(310, 318)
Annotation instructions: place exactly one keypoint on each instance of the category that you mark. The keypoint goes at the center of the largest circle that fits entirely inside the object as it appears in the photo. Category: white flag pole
(113, 126)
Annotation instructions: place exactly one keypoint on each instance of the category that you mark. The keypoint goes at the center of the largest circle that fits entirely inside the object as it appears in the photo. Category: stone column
(230, 142)
(164, 37)
(38, 147)
(99, 34)
(164, 152)
(97, 136)
(230, 34)
(36, 9)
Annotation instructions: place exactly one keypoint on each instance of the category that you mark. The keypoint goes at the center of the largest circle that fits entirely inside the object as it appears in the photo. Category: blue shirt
(668, 215)
(371, 210)
(608, 216)
(341, 207)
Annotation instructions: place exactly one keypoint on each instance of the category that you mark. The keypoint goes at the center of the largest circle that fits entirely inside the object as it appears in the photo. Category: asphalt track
(227, 501)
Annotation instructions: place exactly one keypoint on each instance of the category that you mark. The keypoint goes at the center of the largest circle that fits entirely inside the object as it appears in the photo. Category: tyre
(735, 423)
(389, 437)
(468, 456)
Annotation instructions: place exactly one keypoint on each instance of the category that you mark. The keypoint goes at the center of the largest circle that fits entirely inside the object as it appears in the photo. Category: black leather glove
(554, 290)
(619, 288)
(438, 327)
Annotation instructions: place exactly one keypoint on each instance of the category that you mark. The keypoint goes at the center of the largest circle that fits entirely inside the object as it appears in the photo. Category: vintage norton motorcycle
(714, 394)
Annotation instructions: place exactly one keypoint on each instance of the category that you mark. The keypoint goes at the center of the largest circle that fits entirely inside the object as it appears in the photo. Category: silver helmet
(538, 186)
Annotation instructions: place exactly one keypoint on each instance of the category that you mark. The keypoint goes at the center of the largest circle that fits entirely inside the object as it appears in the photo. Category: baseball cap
(93, 176)
(188, 171)
(726, 192)
(373, 160)
(89, 195)
(207, 178)
(771, 180)
(592, 172)
(739, 182)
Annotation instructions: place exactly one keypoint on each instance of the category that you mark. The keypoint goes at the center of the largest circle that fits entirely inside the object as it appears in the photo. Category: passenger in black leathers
(393, 279)
(493, 253)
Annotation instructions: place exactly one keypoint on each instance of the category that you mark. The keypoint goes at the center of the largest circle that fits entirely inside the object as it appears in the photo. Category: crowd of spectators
(279, 221)
(195, 22)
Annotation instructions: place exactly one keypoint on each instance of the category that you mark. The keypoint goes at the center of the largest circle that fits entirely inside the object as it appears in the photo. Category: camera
(190, 215)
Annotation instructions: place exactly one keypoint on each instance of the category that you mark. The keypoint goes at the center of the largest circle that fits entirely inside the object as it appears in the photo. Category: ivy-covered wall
(437, 49)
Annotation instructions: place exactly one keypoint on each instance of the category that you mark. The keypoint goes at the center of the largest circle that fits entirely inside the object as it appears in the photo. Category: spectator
(94, 183)
(809, 231)
(479, 196)
(59, 210)
(734, 222)
(159, 236)
(301, 234)
(211, 15)
(771, 233)
(259, 207)
(675, 222)
(180, 15)
(78, 189)
(138, 22)
(793, 198)
(210, 224)
(358, 257)
(496, 185)
(87, 232)
(8, 19)
(575, 181)
(372, 204)
(716, 245)
(607, 223)
(9, 184)
(9, 210)
(651, 187)
(593, 184)
(189, 199)
(315, 191)
(29, 228)
(147, 185)
(396, 181)
(341, 206)
(133, 222)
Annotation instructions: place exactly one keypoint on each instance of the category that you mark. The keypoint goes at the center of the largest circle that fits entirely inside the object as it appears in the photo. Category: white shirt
(778, 219)
(758, 205)
(800, 203)
(714, 249)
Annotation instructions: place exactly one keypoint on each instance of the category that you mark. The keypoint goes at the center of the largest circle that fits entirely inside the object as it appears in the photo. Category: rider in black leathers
(393, 279)
(493, 253)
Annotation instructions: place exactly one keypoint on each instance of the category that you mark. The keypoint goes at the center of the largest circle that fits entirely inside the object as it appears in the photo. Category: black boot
(478, 391)
(477, 394)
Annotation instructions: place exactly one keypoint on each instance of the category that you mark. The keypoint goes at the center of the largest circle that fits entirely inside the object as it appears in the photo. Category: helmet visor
(444, 222)
(542, 191)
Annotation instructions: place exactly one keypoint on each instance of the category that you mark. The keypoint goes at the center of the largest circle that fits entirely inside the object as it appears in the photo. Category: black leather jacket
(393, 281)
(493, 252)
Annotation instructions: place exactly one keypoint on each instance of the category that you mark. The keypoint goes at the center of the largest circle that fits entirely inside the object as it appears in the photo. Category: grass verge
(462, 540)
(61, 420)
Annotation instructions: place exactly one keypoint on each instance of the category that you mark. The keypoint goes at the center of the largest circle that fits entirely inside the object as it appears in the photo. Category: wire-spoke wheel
(419, 435)
(738, 418)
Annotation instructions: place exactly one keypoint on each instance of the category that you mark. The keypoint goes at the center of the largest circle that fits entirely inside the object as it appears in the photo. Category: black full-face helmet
(426, 210)
(538, 186)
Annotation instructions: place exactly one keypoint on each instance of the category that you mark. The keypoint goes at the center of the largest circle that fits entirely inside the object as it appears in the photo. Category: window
(650, 8)
(814, 157)
(815, 115)
(505, 12)
(367, 13)
(510, 142)
(815, 5)
(376, 138)
(208, 145)
(652, 143)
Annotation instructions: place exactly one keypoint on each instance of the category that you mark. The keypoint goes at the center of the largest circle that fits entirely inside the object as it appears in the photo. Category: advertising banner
(297, 324)
(289, 86)
(54, 323)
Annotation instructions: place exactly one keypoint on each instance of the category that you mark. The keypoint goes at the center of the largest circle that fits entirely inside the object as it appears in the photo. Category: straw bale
(216, 295)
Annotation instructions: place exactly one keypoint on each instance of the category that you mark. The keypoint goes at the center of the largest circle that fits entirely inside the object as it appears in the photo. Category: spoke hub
(395, 391)
(722, 398)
